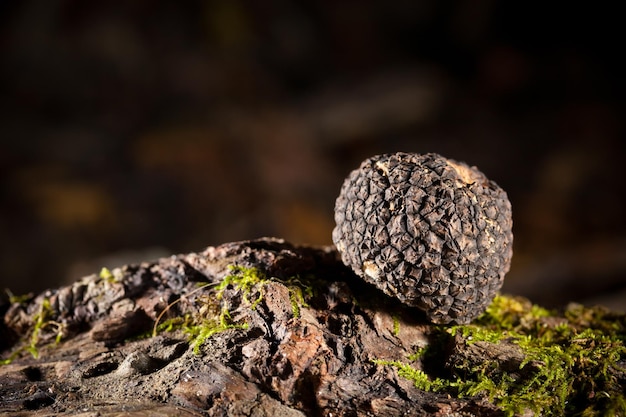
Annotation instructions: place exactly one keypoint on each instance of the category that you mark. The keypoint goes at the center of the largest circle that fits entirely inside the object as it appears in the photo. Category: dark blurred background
(133, 130)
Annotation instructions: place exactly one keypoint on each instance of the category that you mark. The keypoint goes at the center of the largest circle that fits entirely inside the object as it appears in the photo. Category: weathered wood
(306, 338)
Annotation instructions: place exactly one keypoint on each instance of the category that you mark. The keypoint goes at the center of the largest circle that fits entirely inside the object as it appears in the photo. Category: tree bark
(299, 335)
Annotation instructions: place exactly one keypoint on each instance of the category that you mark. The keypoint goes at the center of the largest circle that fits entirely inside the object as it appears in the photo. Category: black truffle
(430, 231)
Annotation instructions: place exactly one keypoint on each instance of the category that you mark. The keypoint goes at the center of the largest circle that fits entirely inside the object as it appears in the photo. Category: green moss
(296, 297)
(396, 324)
(111, 276)
(200, 332)
(252, 281)
(207, 321)
(299, 292)
(170, 325)
(570, 364)
(17, 299)
(42, 321)
(214, 315)
(244, 280)
(420, 378)
(11, 357)
(105, 274)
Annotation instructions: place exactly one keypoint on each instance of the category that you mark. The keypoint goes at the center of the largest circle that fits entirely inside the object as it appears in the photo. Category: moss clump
(296, 297)
(42, 321)
(200, 328)
(299, 292)
(43, 328)
(246, 281)
(214, 314)
(116, 275)
(396, 324)
(573, 363)
(200, 332)
(252, 280)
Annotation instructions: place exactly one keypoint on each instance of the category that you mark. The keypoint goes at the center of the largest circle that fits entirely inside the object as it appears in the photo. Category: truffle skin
(430, 231)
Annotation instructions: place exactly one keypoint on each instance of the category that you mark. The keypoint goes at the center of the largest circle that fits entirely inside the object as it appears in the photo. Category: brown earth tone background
(132, 130)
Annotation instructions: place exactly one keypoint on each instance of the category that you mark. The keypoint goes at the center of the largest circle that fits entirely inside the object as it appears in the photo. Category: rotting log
(266, 328)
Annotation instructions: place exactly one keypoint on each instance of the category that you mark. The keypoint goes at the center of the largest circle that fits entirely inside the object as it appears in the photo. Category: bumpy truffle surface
(430, 231)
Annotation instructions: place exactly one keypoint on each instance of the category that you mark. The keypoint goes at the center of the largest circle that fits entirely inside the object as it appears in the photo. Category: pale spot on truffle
(463, 172)
(371, 269)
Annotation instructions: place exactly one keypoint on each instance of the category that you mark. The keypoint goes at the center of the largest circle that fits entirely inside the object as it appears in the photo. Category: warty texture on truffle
(430, 231)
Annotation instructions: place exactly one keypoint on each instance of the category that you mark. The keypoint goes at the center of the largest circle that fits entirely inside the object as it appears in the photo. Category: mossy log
(266, 328)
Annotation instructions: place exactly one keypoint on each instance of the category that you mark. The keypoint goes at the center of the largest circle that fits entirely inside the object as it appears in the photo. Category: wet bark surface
(304, 341)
